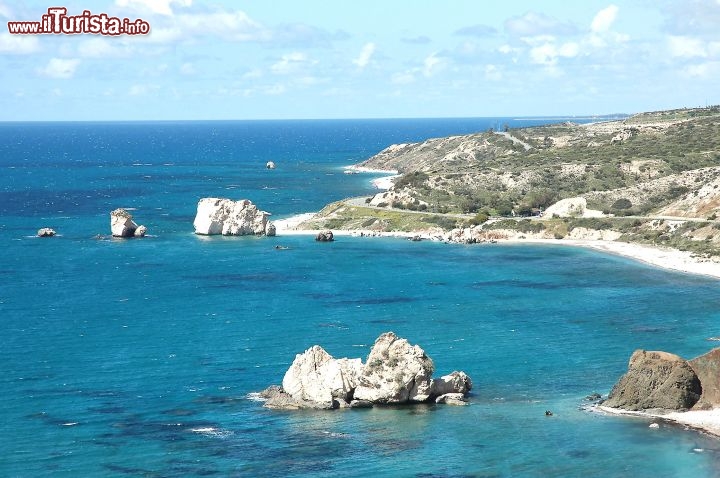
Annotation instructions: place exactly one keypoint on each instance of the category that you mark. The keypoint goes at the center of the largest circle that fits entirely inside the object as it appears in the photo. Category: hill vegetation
(647, 167)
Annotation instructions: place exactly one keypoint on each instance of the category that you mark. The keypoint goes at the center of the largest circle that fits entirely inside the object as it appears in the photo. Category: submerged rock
(656, 380)
(395, 373)
(452, 399)
(46, 232)
(230, 218)
(122, 224)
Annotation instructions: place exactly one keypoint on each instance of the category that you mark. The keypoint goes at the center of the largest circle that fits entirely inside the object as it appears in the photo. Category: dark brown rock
(707, 368)
(325, 236)
(655, 380)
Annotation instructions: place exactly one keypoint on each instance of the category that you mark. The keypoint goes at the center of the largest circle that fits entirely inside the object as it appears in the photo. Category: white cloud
(291, 62)
(533, 24)
(686, 47)
(403, 78)
(254, 73)
(235, 25)
(604, 19)
(60, 68)
(549, 53)
(18, 44)
(187, 69)
(710, 69)
(432, 64)
(492, 73)
(5, 11)
(274, 89)
(142, 90)
(101, 48)
(365, 54)
(160, 7)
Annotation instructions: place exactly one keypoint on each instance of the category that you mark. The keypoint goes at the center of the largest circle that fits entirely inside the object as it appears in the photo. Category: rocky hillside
(663, 162)
(652, 178)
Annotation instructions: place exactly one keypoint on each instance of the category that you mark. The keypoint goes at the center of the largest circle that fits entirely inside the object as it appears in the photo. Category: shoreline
(704, 421)
(669, 259)
(384, 183)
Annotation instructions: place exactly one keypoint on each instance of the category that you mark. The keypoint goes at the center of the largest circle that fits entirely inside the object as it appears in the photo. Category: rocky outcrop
(452, 399)
(122, 224)
(231, 218)
(456, 382)
(395, 372)
(46, 232)
(277, 398)
(316, 376)
(707, 369)
(656, 380)
(325, 236)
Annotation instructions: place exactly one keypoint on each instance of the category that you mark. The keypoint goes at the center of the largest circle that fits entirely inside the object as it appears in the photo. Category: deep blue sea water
(136, 357)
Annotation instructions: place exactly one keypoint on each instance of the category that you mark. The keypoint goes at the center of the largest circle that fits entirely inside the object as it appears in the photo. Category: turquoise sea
(127, 358)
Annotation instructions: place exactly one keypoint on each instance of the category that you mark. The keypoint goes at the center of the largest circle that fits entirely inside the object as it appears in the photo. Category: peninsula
(651, 179)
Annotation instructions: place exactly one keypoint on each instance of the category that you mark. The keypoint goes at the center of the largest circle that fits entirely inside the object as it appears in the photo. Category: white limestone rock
(140, 231)
(230, 218)
(455, 382)
(395, 372)
(46, 232)
(316, 376)
(569, 207)
(122, 224)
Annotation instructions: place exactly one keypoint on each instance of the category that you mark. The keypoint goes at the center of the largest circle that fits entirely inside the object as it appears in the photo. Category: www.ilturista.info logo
(58, 22)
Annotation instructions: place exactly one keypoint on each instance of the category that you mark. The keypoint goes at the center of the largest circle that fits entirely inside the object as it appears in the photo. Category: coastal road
(360, 202)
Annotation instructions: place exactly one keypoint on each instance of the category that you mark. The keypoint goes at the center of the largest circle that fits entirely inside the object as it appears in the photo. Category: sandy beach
(706, 421)
(672, 259)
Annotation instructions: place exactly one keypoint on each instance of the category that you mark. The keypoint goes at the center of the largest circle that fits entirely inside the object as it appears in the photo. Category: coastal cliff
(652, 178)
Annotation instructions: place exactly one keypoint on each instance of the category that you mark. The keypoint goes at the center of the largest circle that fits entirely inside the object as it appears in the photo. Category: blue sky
(208, 59)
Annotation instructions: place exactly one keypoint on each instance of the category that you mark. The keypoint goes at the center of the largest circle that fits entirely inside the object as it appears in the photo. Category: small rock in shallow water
(46, 232)
(654, 425)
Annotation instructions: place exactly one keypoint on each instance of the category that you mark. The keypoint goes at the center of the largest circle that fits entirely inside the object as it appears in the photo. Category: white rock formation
(230, 218)
(140, 231)
(46, 232)
(316, 376)
(455, 382)
(569, 207)
(395, 372)
(270, 165)
(122, 224)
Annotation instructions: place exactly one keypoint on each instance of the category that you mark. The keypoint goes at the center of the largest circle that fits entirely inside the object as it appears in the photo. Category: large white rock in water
(122, 224)
(230, 218)
(317, 377)
(395, 372)
(453, 383)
